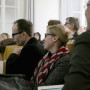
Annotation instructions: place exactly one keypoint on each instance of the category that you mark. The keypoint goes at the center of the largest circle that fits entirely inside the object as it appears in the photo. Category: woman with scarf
(54, 66)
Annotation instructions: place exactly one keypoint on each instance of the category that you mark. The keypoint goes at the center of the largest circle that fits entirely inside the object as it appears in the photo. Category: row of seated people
(10, 49)
(39, 68)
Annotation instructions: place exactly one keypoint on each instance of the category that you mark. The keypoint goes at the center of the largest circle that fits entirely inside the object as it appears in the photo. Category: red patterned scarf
(46, 64)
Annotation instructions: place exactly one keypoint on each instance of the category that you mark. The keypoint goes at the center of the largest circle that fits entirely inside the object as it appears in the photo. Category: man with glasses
(79, 73)
(24, 61)
(73, 24)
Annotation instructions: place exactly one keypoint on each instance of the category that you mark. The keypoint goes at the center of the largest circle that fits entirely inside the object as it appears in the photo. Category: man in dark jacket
(79, 75)
(24, 61)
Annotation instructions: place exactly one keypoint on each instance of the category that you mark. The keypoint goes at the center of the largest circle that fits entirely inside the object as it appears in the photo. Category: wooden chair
(8, 50)
(1, 56)
(70, 45)
(2, 67)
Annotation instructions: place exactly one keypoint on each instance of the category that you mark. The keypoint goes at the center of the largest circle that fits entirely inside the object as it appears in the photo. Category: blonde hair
(5, 36)
(62, 32)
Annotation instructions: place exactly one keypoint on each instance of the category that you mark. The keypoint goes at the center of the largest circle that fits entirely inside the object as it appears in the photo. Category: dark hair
(24, 26)
(53, 22)
(38, 34)
(74, 21)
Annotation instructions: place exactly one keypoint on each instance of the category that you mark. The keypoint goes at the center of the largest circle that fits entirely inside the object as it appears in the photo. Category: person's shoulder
(84, 37)
(64, 58)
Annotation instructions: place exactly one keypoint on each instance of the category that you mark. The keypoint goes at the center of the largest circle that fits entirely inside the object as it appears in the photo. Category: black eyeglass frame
(67, 23)
(46, 34)
(16, 34)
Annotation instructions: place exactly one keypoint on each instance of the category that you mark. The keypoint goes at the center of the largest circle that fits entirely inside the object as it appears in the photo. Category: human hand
(17, 51)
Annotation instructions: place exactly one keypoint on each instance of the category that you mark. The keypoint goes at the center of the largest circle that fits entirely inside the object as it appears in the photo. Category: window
(10, 10)
(73, 8)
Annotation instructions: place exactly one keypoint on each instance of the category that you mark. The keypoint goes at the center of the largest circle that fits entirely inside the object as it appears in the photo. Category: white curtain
(30, 10)
(66, 10)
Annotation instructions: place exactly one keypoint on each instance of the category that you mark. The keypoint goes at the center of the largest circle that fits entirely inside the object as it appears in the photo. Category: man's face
(17, 36)
(87, 12)
(68, 25)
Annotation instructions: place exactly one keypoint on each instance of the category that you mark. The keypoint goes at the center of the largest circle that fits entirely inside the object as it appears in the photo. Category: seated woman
(54, 66)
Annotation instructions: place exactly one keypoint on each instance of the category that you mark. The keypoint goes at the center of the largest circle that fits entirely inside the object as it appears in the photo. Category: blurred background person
(5, 40)
(81, 30)
(73, 24)
(37, 35)
(4, 36)
(54, 22)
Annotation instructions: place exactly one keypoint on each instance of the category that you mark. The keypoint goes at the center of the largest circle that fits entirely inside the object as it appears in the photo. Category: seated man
(73, 24)
(79, 73)
(24, 61)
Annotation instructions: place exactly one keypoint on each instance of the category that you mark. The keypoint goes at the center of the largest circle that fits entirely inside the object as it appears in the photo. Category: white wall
(73, 8)
(21, 9)
(44, 10)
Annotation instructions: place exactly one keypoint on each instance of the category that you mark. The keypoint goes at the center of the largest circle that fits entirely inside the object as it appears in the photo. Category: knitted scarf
(46, 64)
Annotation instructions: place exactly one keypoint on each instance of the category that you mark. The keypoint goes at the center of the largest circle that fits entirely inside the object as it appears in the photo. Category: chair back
(8, 50)
(2, 67)
(70, 45)
(1, 56)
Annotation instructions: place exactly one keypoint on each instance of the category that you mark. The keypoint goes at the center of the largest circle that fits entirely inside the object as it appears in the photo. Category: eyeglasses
(46, 34)
(16, 34)
(85, 7)
(66, 23)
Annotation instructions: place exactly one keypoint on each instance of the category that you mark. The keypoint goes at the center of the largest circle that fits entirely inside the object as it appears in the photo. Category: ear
(72, 26)
(55, 38)
(24, 34)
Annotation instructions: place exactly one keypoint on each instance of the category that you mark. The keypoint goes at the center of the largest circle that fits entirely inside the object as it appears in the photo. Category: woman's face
(36, 36)
(49, 41)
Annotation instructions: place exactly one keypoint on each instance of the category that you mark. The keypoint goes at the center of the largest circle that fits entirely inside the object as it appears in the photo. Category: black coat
(26, 62)
(79, 75)
(75, 35)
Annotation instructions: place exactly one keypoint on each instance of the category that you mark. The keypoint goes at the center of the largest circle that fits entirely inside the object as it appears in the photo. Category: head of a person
(53, 22)
(56, 36)
(4, 36)
(87, 14)
(22, 31)
(72, 23)
(37, 35)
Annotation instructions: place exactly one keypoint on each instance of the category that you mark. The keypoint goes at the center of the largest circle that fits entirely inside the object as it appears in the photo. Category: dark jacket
(75, 35)
(5, 43)
(58, 72)
(79, 75)
(26, 62)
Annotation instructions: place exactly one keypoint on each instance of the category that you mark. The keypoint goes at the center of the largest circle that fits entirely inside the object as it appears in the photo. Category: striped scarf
(46, 64)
